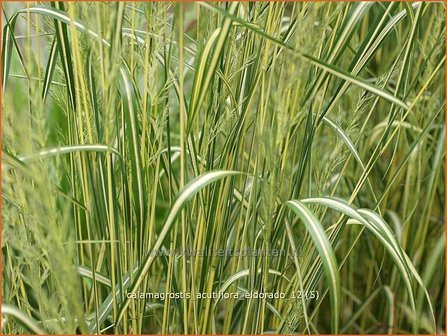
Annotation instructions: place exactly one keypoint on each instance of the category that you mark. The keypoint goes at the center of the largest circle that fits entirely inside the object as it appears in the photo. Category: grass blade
(23, 318)
(63, 43)
(191, 189)
(378, 227)
(50, 69)
(327, 255)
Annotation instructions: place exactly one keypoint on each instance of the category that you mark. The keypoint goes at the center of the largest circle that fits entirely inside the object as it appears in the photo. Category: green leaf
(63, 43)
(378, 227)
(68, 149)
(107, 305)
(28, 322)
(188, 192)
(8, 40)
(51, 64)
(327, 255)
(331, 68)
(347, 76)
(208, 62)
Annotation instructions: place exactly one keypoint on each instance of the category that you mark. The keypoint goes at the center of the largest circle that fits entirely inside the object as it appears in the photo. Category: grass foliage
(130, 129)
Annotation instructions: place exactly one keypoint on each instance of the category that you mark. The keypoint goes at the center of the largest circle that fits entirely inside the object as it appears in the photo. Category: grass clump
(150, 148)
